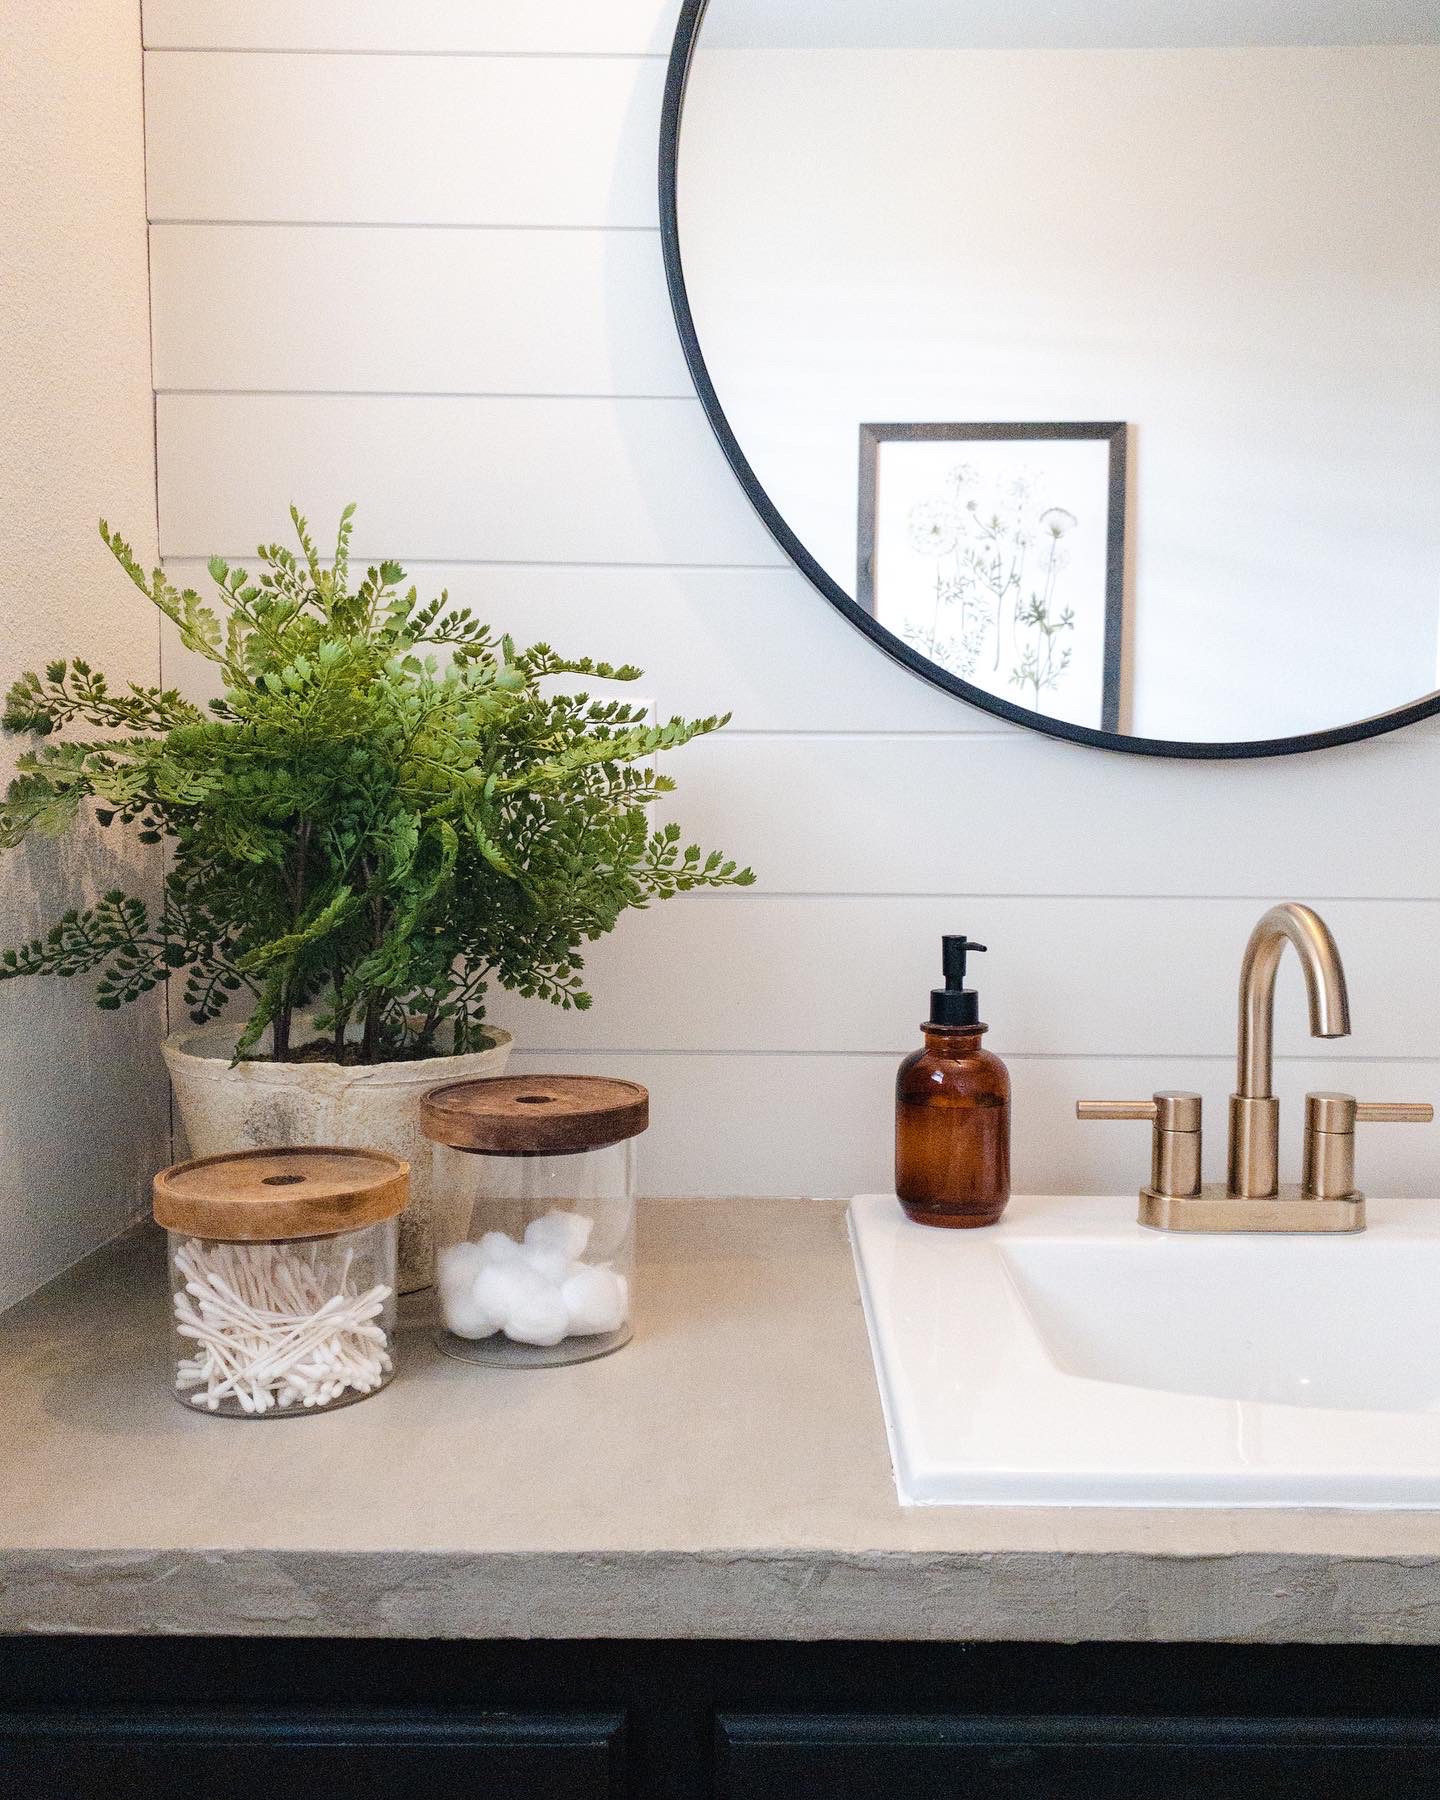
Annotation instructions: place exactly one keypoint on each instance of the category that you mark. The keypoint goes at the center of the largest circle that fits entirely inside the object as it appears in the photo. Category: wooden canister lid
(535, 1115)
(268, 1196)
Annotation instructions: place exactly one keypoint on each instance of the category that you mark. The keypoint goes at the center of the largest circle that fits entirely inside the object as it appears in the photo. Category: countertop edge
(1019, 1596)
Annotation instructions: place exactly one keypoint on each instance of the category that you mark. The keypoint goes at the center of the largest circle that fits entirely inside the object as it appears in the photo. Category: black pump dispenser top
(955, 1004)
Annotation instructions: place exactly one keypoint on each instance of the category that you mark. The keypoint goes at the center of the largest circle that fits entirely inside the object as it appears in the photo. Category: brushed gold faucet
(1254, 1110)
(1252, 1198)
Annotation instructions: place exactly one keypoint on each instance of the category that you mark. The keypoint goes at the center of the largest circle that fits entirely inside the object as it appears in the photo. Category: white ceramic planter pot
(256, 1105)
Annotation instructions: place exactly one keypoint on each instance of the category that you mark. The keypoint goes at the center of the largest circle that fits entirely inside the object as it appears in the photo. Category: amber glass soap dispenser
(952, 1111)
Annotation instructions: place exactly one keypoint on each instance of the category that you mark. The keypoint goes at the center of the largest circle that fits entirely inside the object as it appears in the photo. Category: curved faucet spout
(1254, 1111)
(1324, 984)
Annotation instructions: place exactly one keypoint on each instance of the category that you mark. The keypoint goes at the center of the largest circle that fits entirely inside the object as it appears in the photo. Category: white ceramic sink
(1067, 1356)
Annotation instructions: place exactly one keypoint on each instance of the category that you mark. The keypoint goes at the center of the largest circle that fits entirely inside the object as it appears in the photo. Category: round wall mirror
(1086, 355)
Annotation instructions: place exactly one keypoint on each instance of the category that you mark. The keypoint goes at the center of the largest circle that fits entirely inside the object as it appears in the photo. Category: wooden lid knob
(268, 1196)
(535, 1115)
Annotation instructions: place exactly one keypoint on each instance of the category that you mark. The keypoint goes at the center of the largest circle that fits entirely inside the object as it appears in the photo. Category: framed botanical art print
(998, 551)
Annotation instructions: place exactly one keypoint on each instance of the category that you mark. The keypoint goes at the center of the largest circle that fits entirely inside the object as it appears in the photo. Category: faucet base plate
(1215, 1209)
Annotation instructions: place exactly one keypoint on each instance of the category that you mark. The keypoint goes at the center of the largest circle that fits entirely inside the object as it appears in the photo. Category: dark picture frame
(1114, 434)
(682, 53)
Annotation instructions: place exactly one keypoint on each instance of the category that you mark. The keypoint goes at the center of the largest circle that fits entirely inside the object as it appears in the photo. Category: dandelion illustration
(984, 539)
(961, 476)
(934, 527)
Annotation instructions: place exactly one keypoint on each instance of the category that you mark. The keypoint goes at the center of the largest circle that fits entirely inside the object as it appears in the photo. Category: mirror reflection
(1092, 348)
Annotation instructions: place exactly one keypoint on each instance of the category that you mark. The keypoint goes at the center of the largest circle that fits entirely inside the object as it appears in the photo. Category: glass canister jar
(282, 1277)
(534, 1202)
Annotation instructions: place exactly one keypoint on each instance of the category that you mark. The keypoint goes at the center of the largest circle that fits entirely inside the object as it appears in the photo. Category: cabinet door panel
(856, 1757)
(211, 1756)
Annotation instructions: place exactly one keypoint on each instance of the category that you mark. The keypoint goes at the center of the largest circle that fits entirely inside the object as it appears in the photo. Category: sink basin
(1067, 1356)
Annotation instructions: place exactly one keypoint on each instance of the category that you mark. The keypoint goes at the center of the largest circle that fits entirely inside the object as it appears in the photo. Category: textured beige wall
(83, 1106)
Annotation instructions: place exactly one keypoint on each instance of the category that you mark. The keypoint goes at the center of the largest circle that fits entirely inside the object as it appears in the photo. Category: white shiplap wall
(408, 255)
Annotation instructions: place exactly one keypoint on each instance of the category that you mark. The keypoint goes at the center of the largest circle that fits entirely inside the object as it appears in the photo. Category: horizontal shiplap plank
(1063, 977)
(426, 311)
(423, 140)
(598, 27)
(1026, 815)
(760, 643)
(824, 1126)
(499, 479)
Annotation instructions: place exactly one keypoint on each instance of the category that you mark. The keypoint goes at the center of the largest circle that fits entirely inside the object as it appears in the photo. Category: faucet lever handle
(1117, 1109)
(1330, 1121)
(1175, 1141)
(1168, 1110)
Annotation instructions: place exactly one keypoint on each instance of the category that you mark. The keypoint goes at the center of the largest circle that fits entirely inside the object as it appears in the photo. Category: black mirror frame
(682, 53)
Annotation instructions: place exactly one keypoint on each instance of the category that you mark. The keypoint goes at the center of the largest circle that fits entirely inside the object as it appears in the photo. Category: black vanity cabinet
(299, 1754)
(855, 1757)
(299, 1720)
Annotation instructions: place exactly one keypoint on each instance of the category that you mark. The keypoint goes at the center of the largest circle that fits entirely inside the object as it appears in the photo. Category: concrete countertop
(725, 1475)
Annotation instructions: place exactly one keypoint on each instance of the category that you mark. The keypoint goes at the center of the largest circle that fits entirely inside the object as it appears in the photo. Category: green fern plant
(388, 810)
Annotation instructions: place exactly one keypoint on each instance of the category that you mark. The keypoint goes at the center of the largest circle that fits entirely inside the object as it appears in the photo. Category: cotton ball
(537, 1314)
(551, 1265)
(596, 1300)
(459, 1268)
(567, 1232)
(467, 1318)
(459, 1265)
(499, 1286)
(495, 1247)
(466, 1314)
(543, 1321)
(527, 1307)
